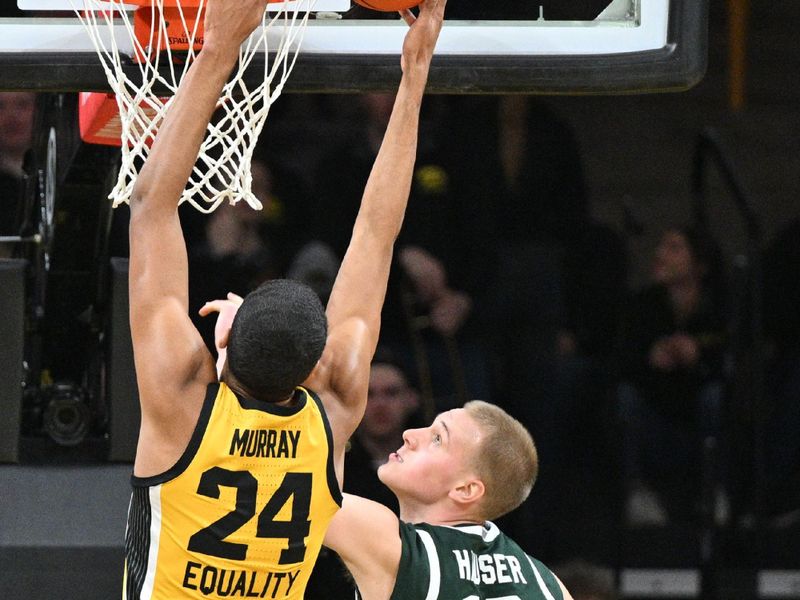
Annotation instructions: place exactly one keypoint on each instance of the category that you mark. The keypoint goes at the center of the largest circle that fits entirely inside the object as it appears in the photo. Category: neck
(441, 513)
(240, 391)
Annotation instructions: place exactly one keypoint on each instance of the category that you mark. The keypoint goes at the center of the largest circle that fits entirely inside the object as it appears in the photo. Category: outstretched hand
(422, 35)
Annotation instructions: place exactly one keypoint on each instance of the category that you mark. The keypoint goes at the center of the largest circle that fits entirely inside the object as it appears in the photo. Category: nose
(410, 438)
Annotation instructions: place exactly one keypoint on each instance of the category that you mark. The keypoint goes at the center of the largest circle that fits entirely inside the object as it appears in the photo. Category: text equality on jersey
(234, 583)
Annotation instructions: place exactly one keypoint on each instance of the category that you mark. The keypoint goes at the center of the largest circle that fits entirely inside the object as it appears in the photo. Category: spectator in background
(671, 349)
(553, 300)
(315, 265)
(16, 134)
(391, 406)
(551, 252)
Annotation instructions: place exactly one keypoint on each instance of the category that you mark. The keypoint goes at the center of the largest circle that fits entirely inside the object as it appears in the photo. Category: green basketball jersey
(468, 562)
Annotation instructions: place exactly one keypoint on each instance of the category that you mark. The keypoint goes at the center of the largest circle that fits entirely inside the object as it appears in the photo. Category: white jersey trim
(540, 581)
(155, 536)
(488, 532)
(434, 583)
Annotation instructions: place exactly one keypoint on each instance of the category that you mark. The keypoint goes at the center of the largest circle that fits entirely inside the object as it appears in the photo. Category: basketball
(388, 5)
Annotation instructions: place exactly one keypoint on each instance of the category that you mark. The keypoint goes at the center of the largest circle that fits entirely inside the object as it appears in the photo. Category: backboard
(500, 46)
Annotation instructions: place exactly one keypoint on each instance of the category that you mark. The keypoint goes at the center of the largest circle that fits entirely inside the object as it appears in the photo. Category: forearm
(386, 194)
(159, 265)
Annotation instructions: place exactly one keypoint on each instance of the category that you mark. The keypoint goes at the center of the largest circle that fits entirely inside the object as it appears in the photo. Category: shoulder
(174, 436)
(419, 566)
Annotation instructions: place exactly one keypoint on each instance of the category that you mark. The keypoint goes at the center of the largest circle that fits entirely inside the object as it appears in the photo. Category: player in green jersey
(473, 464)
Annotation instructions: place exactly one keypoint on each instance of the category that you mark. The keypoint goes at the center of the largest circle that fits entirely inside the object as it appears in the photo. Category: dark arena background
(551, 247)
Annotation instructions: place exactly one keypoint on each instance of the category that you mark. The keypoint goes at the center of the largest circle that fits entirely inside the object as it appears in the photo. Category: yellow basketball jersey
(243, 513)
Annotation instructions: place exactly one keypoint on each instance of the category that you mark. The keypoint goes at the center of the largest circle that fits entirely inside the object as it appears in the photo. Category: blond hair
(506, 460)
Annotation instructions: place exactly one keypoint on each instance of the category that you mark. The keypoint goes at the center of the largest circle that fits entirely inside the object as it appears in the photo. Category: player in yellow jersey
(235, 482)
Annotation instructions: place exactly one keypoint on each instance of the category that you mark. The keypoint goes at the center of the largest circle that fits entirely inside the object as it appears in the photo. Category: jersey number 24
(211, 540)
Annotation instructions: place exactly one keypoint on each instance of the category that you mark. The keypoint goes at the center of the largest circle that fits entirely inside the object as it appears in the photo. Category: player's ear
(468, 491)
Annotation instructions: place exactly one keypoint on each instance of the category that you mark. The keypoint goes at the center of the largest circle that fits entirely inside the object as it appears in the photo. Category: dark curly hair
(276, 338)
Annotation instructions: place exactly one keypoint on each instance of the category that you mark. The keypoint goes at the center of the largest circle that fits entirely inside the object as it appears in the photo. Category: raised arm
(355, 303)
(172, 364)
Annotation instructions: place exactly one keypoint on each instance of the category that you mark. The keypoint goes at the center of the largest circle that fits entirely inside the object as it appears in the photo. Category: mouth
(396, 456)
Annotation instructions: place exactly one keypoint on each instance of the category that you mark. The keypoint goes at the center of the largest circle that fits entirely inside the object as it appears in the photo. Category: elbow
(138, 195)
(147, 202)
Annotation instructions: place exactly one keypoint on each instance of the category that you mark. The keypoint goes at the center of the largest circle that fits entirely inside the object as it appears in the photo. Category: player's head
(276, 339)
(505, 459)
(478, 460)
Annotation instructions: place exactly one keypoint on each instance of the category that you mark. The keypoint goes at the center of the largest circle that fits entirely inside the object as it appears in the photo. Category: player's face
(433, 460)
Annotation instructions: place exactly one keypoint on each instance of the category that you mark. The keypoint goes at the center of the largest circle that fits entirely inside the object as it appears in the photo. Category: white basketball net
(222, 171)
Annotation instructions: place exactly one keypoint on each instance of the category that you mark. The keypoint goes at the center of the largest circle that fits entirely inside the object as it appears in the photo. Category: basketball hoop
(167, 35)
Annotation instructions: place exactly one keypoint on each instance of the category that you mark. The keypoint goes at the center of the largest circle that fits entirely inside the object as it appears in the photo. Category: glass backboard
(506, 46)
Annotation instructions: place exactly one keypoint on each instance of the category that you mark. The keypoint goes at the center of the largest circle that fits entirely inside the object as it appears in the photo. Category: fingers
(215, 306)
(209, 307)
(432, 6)
(236, 299)
(221, 339)
(218, 305)
(408, 16)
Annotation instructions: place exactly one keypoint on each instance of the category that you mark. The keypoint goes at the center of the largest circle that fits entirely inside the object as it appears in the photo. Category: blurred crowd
(505, 288)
